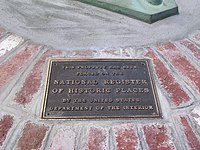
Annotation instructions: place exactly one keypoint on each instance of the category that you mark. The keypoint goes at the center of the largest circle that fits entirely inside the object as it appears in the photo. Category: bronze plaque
(100, 89)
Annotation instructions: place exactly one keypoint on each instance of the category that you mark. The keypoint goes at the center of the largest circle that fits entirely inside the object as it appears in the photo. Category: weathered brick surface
(2, 31)
(179, 61)
(177, 94)
(125, 53)
(109, 54)
(82, 53)
(192, 140)
(154, 134)
(33, 80)
(196, 114)
(97, 139)
(192, 47)
(126, 137)
(5, 124)
(63, 139)
(197, 36)
(32, 137)
(137, 53)
(10, 43)
(158, 137)
(16, 63)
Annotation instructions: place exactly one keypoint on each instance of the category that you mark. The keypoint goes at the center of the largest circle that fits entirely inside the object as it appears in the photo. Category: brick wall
(176, 70)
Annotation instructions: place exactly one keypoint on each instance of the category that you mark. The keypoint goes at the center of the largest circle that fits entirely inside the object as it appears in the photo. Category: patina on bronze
(100, 89)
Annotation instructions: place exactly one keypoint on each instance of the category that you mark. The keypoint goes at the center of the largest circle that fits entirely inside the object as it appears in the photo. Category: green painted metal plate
(139, 9)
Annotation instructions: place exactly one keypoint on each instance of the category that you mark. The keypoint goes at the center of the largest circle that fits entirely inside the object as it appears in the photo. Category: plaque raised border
(126, 108)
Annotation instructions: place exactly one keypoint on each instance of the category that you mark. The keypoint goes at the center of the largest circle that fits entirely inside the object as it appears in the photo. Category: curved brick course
(126, 137)
(32, 136)
(175, 73)
(5, 124)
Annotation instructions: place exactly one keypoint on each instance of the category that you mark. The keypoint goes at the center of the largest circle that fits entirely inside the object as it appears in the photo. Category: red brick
(97, 139)
(32, 137)
(177, 94)
(5, 124)
(192, 47)
(179, 61)
(33, 80)
(158, 137)
(126, 137)
(192, 139)
(16, 63)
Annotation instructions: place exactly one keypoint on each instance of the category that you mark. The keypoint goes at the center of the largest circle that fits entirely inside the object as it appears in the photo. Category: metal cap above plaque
(100, 89)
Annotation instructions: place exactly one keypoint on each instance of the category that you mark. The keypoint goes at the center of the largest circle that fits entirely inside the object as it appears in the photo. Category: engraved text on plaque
(100, 89)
